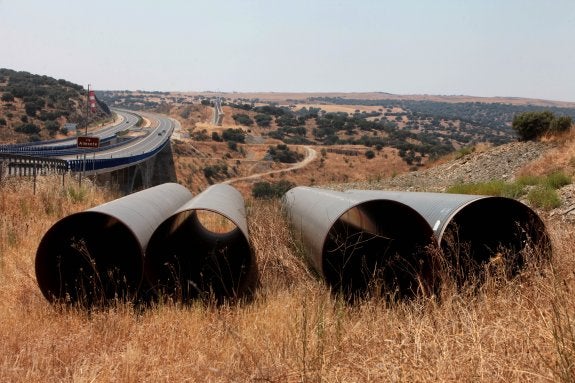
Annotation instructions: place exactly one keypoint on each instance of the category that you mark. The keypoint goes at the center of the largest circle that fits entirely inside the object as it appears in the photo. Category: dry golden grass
(562, 157)
(294, 330)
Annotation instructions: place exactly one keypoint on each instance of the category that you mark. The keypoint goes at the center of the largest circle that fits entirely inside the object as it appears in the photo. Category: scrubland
(292, 330)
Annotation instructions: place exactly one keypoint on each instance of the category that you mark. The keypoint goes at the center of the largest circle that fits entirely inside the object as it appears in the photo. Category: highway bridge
(127, 151)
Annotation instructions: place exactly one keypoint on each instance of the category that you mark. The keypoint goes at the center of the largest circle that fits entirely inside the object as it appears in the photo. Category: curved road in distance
(311, 154)
(153, 138)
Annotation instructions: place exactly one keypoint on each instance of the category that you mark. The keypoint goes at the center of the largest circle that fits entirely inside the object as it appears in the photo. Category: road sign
(88, 142)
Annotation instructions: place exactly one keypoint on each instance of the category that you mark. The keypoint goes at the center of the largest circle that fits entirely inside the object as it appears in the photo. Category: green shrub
(543, 197)
(266, 190)
(529, 180)
(216, 137)
(243, 119)
(494, 188)
(282, 153)
(27, 128)
(7, 97)
(557, 180)
(236, 135)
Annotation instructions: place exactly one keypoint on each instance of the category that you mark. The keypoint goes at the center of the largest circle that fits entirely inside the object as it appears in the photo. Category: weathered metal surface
(358, 242)
(474, 231)
(97, 255)
(189, 258)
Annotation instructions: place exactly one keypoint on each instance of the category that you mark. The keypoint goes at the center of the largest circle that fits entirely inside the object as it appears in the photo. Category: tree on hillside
(560, 124)
(243, 119)
(7, 97)
(263, 120)
(532, 125)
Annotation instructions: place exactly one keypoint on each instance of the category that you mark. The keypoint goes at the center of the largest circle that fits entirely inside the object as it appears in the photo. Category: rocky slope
(499, 163)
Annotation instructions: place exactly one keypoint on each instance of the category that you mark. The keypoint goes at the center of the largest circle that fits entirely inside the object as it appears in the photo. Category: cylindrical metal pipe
(203, 249)
(97, 255)
(473, 230)
(359, 242)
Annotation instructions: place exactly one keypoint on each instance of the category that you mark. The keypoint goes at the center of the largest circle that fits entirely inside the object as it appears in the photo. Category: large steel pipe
(358, 242)
(94, 256)
(203, 249)
(477, 231)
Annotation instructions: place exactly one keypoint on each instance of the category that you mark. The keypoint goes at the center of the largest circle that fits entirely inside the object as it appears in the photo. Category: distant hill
(35, 107)
(420, 127)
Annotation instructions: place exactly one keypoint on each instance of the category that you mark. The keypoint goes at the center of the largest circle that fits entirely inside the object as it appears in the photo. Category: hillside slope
(34, 107)
(502, 162)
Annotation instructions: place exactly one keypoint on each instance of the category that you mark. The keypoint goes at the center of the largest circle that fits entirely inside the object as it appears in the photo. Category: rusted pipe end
(89, 258)
(189, 258)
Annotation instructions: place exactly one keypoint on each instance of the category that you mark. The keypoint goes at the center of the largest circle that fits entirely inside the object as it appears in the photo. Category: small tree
(7, 97)
(369, 154)
(243, 119)
(52, 126)
(560, 124)
(532, 125)
(237, 135)
(263, 120)
(266, 190)
(27, 129)
(216, 137)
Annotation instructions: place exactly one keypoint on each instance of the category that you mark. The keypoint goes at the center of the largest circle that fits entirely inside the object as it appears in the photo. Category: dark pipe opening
(493, 233)
(185, 260)
(89, 258)
(379, 247)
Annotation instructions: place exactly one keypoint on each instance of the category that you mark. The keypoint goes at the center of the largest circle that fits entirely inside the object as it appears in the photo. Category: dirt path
(311, 154)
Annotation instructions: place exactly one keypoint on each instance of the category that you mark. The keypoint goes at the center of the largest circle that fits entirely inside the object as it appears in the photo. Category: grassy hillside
(34, 107)
(293, 331)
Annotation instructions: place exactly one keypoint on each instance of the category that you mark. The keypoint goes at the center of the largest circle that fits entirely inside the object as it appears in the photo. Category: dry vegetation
(294, 330)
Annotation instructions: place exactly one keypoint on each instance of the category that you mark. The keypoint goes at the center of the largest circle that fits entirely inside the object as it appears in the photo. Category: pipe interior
(89, 258)
(185, 260)
(378, 247)
(496, 232)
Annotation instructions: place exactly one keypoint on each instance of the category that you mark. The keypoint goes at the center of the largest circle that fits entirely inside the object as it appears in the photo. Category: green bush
(243, 119)
(542, 194)
(557, 180)
(216, 137)
(263, 120)
(494, 188)
(27, 128)
(232, 145)
(543, 197)
(218, 170)
(266, 190)
(236, 135)
(7, 97)
(282, 153)
(52, 126)
(529, 180)
(532, 125)
(369, 154)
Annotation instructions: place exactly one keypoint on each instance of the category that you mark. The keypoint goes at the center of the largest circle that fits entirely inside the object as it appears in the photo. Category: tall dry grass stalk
(294, 330)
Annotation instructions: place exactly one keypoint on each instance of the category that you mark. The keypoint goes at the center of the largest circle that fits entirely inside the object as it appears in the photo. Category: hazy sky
(523, 48)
